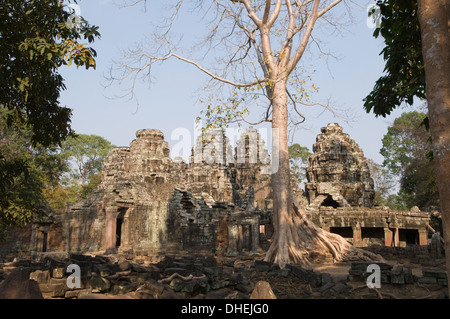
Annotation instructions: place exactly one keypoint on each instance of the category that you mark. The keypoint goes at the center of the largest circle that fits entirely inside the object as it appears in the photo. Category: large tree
(407, 153)
(256, 48)
(383, 184)
(298, 157)
(36, 39)
(26, 172)
(434, 18)
(424, 77)
(88, 153)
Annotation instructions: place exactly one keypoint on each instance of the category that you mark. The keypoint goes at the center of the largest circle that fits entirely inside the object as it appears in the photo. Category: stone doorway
(330, 202)
(44, 241)
(117, 232)
(119, 223)
(408, 237)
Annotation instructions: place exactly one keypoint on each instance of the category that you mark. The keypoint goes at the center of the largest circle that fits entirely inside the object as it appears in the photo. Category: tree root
(301, 240)
(177, 275)
(387, 294)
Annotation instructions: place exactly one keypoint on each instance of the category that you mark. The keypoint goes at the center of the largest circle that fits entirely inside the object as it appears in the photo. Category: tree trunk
(434, 19)
(296, 239)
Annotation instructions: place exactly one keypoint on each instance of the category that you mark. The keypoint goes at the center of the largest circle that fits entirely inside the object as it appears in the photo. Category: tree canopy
(35, 40)
(26, 170)
(88, 153)
(298, 157)
(406, 149)
(404, 76)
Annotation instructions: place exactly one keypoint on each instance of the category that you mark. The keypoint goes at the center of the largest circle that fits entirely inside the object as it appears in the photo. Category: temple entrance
(44, 241)
(408, 236)
(117, 232)
(119, 222)
(346, 232)
(330, 202)
(120, 227)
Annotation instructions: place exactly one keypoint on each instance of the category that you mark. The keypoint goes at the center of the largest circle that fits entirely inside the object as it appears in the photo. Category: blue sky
(170, 102)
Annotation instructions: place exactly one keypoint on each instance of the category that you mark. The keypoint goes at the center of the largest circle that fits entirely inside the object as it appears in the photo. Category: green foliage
(34, 42)
(398, 201)
(34, 178)
(406, 141)
(25, 172)
(89, 188)
(298, 157)
(404, 76)
(219, 112)
(88, 153)
(406, 147)
(383, 183)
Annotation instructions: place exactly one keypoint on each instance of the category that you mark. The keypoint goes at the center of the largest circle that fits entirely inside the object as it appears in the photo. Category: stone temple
(220, 202)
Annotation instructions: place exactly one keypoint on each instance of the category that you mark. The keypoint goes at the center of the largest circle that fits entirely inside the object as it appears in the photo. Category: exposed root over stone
(177, 275)
(300, 241)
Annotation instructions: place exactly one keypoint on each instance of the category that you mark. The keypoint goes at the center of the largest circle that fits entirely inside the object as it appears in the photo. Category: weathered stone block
(427, 280)
(70, 294)
(19, 286)
(123, 288)
(180, 271)
(58, 272)
(398, 279)
(263, 290)
(59, 290)
(262, 265)
(40, 276)
(442, 282)
(99, 284)
(434, 273)
(306, 275)
(155, 288)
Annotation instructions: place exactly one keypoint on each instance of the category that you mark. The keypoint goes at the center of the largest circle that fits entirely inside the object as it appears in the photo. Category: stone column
(240, 240)
(396, 237)
(388, 236)
(436, 245)
(357, 238)
(423, 238)
(126, 231)
(255, 237)
(110, 231)
(233, 233)
(34, 238)
(246, 233)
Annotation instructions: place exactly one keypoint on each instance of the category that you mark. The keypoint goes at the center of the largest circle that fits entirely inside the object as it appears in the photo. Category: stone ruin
(338, 174)
(220, 202)
(341, 193)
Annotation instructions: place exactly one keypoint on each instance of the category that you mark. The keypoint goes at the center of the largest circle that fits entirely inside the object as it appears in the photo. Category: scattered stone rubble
(198, 276)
